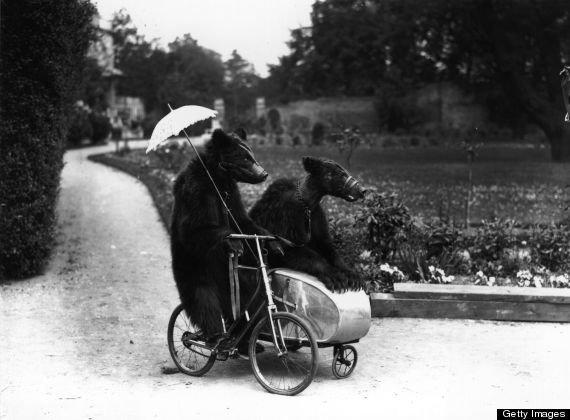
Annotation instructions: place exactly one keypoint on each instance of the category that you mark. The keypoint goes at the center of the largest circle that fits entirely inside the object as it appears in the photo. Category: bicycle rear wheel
(189, 358)
(278, 370)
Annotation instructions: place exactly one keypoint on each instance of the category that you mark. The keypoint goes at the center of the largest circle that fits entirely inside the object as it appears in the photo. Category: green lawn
(509, 182)
(519, 183)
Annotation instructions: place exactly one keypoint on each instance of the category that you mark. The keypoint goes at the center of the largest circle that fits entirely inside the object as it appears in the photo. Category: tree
(195, 75)
(516, 47)
(124, 33)
(241, 84)
(519, 46)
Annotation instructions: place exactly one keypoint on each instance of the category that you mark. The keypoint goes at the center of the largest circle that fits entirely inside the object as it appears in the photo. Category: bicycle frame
(271, 307)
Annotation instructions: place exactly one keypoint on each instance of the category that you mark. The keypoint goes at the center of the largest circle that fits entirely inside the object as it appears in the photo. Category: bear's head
(235, 157)
(333, 179)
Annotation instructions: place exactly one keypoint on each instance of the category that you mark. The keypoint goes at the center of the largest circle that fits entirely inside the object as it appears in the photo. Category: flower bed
(386, 242)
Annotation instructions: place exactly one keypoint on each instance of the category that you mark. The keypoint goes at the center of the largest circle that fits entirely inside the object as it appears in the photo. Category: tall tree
(195, 75)
(516, 47)
(519, 46)
(241, 84)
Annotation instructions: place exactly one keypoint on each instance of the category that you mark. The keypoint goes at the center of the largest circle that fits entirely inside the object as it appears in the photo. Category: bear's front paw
(233, 246)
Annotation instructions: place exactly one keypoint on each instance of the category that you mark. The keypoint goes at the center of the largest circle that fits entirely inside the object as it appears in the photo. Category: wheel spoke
(293, 371)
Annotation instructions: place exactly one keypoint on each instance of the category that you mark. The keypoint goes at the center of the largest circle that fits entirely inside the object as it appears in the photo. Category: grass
(515, 183)
(509, 182)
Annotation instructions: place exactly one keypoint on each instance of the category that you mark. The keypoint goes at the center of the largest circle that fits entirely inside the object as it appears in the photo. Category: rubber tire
(336, 373)
(170, 337)
(314, 354)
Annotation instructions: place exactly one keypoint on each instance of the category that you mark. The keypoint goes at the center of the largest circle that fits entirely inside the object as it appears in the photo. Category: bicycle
(283, 350)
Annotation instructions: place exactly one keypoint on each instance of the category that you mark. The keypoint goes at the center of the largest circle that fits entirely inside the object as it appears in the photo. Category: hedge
(44, 44)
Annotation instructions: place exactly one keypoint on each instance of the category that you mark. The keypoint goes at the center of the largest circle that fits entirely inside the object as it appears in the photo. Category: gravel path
(88, 338)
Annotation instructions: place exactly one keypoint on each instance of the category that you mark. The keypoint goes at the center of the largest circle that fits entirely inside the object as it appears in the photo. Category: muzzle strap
(350, 182)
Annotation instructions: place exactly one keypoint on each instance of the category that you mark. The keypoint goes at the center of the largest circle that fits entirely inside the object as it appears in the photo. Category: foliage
(356, 47)
(551, 246)
(388, 223)
(381, 230)
(93, 86)
(318, 134)
(80, 127)
(43, 56)
(240, 90)
(347, 139)
(101, 127)
(195, 75)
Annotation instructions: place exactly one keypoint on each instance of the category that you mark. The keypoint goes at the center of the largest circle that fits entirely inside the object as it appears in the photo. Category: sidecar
(337, 319)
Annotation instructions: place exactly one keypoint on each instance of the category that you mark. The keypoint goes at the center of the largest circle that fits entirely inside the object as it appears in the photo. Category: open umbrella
(176, 121)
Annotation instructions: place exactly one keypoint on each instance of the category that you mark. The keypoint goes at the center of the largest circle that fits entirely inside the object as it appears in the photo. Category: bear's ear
(241, 133)
(311, 164)
(220, 139)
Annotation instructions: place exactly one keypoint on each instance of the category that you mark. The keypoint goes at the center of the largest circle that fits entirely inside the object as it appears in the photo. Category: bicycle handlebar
(262, 237)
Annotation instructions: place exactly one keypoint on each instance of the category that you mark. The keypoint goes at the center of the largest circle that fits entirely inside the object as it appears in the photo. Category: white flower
(526, 283)
(491, 281)
(364, 255)
(431, 269)
(561, 279)
(537, 281)
(386, 268)
(524, 275)
(447, 279)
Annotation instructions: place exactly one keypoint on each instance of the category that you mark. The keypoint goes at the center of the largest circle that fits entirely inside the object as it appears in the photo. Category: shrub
(388, 223)
(101, 127)
(43, 54)
(149, 122)
(551, 246)
(79, 126)
(318, 134)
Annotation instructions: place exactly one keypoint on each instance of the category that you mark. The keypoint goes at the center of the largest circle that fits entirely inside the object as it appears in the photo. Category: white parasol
(176, 121)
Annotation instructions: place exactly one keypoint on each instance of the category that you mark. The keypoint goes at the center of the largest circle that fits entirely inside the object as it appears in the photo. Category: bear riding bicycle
(288, 314)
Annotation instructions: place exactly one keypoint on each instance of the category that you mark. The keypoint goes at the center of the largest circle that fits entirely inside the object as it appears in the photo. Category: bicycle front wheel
(278, 370)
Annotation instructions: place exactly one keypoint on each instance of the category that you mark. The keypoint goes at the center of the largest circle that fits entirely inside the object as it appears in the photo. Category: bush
(101, 127)
(43, 55)
(149, 122)
(388, 223)
(80, 127)
(551, 246)
(317, 134)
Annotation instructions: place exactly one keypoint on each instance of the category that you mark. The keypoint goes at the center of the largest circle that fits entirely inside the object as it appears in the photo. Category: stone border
(496, 303)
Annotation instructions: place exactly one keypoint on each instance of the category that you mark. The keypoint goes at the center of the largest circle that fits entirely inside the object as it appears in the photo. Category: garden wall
(441, 106)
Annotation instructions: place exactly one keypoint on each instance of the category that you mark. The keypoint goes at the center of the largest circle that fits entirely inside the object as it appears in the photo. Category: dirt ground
(87, 340)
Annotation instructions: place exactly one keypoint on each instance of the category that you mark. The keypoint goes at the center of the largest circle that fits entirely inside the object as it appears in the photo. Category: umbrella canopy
(176, 121)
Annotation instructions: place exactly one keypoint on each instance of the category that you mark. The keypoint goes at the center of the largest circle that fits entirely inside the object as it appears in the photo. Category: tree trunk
(560, 144)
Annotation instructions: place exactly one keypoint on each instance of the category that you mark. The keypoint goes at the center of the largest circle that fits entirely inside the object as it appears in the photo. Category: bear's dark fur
(291, 208)
(199, 227)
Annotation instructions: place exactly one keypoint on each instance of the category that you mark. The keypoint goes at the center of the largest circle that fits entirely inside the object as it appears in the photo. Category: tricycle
(288, 317)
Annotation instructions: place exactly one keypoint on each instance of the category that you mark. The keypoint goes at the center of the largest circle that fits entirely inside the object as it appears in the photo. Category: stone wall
(440, 107)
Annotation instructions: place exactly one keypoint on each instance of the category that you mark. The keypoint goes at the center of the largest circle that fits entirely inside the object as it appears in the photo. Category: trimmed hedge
(44, 44)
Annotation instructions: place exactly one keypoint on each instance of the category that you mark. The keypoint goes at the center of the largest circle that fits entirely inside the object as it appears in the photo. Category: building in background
(130, 109)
